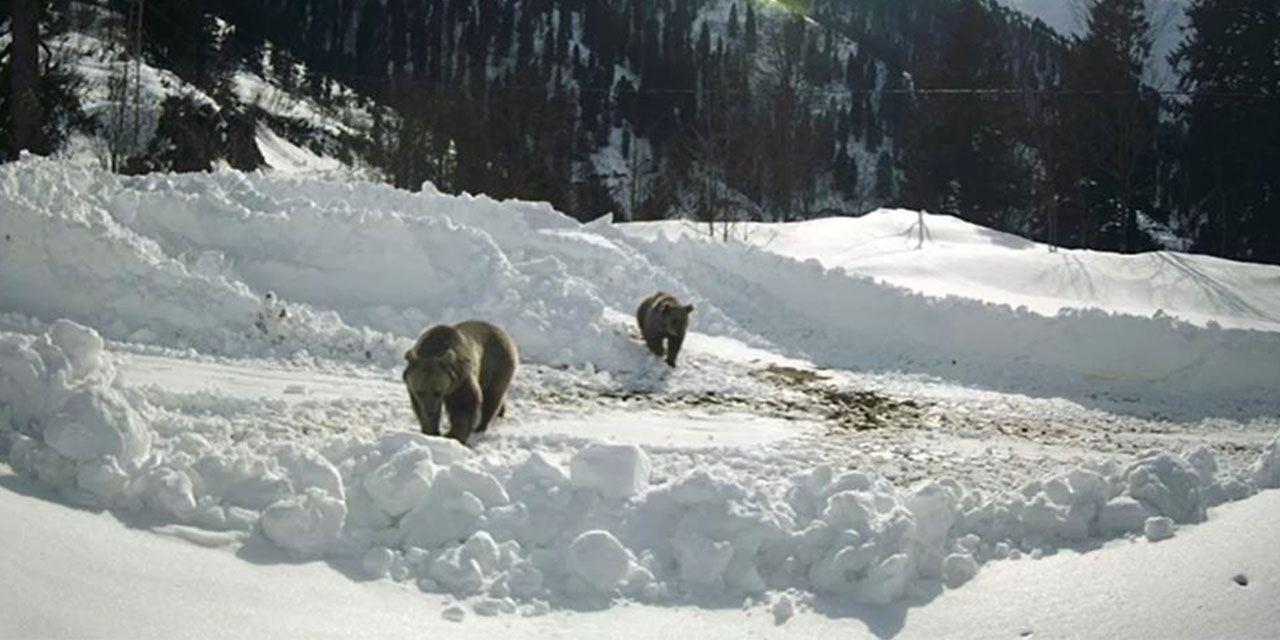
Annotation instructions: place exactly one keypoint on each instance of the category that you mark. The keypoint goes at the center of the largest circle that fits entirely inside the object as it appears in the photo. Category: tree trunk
(25, 66)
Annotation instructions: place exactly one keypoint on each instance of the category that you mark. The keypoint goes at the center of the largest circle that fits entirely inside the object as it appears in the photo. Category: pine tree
(960, 157)
(1116, 118)
(1232, 150)
(24, 73)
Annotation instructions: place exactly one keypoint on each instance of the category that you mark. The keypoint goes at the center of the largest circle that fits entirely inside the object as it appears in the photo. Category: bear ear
(409, 356)
(688, 308)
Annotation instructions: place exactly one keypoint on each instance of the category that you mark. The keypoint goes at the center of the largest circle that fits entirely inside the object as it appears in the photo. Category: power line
(829, 91)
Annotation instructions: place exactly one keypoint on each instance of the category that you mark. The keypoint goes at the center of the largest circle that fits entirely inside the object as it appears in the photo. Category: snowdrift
(525, 533)
(252, 264)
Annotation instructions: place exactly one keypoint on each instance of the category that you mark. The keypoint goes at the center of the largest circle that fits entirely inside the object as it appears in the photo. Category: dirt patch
(862, 410)
(793, 376)
(845, 409)
(802, 394)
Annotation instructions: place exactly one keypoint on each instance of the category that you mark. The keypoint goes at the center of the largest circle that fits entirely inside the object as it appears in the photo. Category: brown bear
(466, 367)
(662, 317)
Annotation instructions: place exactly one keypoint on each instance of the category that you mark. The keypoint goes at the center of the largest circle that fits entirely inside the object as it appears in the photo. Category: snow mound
(275, 265)
(61, 418)
(522, 531)
(197, 261)
(843, 320)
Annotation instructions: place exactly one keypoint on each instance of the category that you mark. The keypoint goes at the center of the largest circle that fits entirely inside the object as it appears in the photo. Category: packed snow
(218, 355)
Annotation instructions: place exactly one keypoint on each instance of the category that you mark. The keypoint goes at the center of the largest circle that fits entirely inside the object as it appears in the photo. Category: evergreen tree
(1115, 120)
(960, 158)
(1232, 153)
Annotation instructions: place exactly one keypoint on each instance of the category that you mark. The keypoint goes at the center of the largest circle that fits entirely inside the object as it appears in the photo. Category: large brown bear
(467, 368)
(662, 317)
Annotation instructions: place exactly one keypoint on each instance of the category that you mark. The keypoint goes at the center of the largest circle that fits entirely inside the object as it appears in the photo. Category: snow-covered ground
(217, 357)
(957, 258)
(118, 576)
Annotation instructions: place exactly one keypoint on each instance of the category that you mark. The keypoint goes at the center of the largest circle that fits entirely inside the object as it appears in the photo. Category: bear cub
(663, 318)
(467, 368)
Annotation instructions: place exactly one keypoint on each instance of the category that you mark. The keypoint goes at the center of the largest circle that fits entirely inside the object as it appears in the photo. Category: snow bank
(524, 531)
(254, 264)
(846, 321)
(963, 259)
(196, 261)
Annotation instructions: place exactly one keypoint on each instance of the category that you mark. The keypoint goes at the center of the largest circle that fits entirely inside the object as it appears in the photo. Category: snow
(969, 261)
(704, 531)
(615, 470)
(1158, 528)
(598, 558)
(59, 554)
(1268, 468)
(284, 156)
(819, 443)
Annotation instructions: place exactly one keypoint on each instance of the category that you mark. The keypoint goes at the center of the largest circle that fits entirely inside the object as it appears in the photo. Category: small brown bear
(466, 367)
(662, 317)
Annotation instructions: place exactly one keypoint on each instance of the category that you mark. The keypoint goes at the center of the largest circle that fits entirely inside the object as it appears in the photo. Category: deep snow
(220, 352)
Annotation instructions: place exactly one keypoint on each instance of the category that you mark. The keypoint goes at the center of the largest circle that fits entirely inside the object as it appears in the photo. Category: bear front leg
(428, 418)
(653, 340)
(673, 349)
(464, 411)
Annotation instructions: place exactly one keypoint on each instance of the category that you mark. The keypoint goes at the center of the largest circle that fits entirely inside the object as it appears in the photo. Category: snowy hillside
(128, 128)
(957, 258)
(216, 357)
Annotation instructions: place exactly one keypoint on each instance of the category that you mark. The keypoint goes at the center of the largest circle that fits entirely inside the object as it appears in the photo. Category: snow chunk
(958, 568)
(1267, 469)
(462, 478)
(376, 562)
(307, 468)
(702, 560)
(933, 506)
(1167, 485)
(454, 613)
(447, 515)
(1158, 528)
(494, 606)
(95, 423)
(783, 609)
(170, 492)
(307, 524)
(599, 559)
(103, 478)
(885, 583)
(81, 345)
(401, 483)
(617, 471)
(1122, 514)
